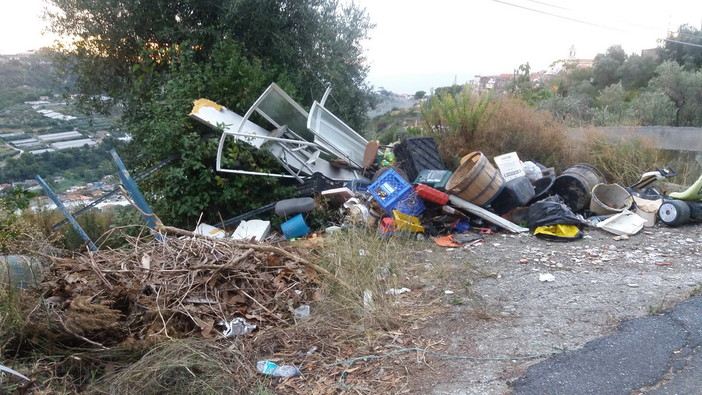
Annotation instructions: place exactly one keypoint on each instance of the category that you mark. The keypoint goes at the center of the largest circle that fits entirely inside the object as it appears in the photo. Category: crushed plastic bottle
(302, 312)
(286, 371)
(266, 367)
(272, 369)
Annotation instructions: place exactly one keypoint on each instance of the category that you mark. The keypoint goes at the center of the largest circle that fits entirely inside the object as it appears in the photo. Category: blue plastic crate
(409, 203)
(392, 192)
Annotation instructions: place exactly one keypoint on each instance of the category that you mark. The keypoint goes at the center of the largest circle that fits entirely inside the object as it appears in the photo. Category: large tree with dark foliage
(684, 47)
(154, 58)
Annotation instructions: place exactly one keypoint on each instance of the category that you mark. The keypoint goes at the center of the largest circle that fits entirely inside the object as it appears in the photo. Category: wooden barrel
(476, 180)
(575, 185)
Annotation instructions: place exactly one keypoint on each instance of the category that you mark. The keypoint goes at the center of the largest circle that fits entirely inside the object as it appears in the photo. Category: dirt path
(499, 311)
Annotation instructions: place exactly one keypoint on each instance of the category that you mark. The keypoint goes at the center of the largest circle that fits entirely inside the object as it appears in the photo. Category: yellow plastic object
(559, 230)
(404, 222)
(694, 192)
(199, 103)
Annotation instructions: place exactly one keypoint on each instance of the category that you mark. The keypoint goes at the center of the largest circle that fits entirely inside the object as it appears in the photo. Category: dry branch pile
(172, 289)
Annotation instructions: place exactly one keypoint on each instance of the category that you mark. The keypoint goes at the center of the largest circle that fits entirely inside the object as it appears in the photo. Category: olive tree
(154, 58)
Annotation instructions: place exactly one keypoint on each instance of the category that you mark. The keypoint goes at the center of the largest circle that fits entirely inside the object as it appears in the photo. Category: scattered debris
(368, 300)
(302, 312)
(272, 369)
(209, 231)
(4, 368)
(625, 223)
(546, 277)
(237, 326)
(397, 291)
(252, 230)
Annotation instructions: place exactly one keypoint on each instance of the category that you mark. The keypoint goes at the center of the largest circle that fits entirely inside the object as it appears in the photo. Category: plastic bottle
(266, 367)
(272, 369)
(286, 371)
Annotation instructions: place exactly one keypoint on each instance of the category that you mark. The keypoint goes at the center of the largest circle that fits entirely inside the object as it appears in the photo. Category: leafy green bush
(455, 118)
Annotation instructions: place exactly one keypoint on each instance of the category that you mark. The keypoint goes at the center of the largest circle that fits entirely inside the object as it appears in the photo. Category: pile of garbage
(407, 188)
(411, 191)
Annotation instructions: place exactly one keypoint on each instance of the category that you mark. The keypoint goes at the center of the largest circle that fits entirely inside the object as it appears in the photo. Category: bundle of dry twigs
(175, 288)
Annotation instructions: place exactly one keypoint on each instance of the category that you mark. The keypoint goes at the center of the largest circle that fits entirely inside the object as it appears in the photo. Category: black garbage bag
(549, 212)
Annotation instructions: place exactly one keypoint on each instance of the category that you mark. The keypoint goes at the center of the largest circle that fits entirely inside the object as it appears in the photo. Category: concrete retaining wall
(665, 137)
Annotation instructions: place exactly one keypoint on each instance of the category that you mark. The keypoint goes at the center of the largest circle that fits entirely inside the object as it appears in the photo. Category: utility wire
(683, 43)
(558, 16)
(550, 5)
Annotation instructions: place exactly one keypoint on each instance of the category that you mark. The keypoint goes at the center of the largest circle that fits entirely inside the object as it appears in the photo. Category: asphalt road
(660, 354)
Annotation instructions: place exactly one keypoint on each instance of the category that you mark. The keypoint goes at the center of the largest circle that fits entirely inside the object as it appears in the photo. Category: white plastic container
(255, 229)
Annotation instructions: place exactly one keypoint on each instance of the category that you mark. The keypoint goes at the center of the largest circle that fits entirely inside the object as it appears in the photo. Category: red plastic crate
(433, 195)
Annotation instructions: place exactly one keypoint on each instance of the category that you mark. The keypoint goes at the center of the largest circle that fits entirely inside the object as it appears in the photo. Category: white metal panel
(336, 136)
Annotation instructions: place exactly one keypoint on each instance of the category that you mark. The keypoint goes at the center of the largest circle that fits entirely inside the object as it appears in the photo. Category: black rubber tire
(674, 212)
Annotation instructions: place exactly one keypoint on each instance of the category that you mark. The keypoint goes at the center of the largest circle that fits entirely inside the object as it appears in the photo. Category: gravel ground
(503, 315)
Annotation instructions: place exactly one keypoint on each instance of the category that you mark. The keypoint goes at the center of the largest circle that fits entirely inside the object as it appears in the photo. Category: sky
(421, 45)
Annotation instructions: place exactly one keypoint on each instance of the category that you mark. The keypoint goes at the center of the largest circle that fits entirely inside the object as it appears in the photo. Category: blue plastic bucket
(295, 227)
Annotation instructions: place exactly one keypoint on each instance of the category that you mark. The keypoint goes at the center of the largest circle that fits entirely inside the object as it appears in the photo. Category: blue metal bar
(66, 213)
(115, 191)
(138, 199)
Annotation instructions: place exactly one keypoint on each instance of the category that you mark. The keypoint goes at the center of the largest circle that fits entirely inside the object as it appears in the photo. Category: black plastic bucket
(517, 192)
(542, 188)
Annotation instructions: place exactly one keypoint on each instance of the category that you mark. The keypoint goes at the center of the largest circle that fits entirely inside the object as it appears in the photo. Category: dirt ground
(501, 315)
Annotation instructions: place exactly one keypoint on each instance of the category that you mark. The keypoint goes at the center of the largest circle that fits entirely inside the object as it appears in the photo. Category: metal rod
(95, 202)
(131, 186)
(67, 214)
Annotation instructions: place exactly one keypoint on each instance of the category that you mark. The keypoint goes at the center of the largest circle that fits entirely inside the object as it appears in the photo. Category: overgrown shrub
(455, 119)
(465, 122)
(533, 134)
(622, 160)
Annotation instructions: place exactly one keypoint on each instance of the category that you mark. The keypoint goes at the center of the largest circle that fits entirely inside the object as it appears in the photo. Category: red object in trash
(387, 226)
(433, 195)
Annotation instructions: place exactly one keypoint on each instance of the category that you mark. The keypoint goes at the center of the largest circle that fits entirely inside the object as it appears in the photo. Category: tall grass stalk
(370, 266)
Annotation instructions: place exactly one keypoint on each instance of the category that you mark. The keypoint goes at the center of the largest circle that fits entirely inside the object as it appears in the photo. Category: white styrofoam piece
(253, 229)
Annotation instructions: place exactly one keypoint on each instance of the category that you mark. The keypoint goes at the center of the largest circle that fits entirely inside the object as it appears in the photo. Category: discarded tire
(674, 212)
